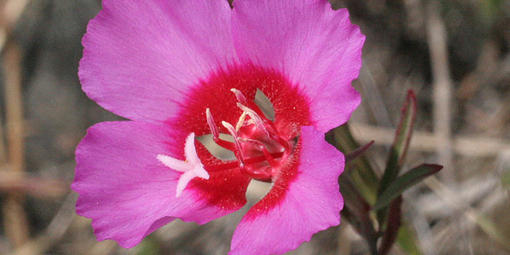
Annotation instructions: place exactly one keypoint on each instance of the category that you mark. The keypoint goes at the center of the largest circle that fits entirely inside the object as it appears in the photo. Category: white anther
(259, 122)
(212, 125)
(233, 133)
(240, 122)
(239, 95)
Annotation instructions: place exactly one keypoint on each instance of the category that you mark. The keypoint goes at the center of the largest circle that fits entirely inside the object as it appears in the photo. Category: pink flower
(184, 68)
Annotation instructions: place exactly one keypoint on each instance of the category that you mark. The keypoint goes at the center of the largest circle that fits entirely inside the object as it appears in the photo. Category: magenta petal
(125, 189)
(140, 57)
(312, 203)
(318, 48)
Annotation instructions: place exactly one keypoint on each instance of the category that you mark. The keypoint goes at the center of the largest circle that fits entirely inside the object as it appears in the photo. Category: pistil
(190, 168)
(257, 145)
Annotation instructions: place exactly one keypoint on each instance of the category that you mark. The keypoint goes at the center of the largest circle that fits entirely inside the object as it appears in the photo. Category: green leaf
(404, 182)
(358, 152)
(401, 142)
(353, 198)
(398, 150)
(359, 168)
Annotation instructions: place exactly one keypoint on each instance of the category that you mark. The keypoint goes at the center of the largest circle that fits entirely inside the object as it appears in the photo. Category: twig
(37, 187)
(15, 221)
(10, 11)
(344, 238)
(55, 230)
(437, 42)
(474, 191)
(3, 152)
(373, 98)
(472, 214)
(3, 38)
(470, 146)
(16, 227)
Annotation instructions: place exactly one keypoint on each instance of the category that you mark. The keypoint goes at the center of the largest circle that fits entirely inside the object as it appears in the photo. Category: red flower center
(258, 145)
(263, 146)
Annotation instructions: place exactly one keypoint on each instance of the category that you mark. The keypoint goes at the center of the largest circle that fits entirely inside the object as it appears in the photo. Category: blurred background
(455, 54)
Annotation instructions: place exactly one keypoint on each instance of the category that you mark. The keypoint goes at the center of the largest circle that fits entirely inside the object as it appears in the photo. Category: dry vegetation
(454, 53)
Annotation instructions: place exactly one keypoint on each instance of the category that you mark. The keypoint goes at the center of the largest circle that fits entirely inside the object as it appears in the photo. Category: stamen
(239, 96)
(215, 133)
(211, 123)
(259, 122)
(239, 149)
(240, 122)
(259, 149)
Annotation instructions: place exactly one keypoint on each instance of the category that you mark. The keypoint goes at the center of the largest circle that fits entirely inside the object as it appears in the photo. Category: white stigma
(191, 167)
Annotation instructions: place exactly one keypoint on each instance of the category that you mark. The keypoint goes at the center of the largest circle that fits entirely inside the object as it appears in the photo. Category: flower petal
(318, 48)
(311, 203)
(140, 56)
(126, 190)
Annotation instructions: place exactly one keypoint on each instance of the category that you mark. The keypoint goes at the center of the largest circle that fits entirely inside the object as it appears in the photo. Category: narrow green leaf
(398, 150)
(404, 182)
(359, 168)
(353, 198)
(401, 142)
(358, 152)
